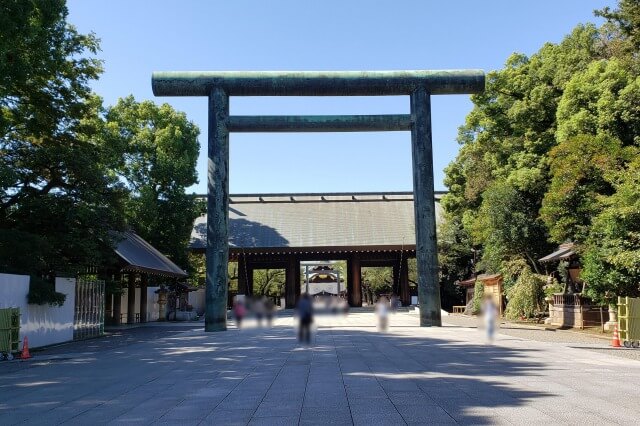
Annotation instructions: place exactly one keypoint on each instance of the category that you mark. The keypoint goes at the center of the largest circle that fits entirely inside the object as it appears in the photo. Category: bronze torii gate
(219, 85)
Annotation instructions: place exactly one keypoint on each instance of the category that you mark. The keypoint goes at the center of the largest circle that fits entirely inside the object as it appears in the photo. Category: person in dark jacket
(305, 316)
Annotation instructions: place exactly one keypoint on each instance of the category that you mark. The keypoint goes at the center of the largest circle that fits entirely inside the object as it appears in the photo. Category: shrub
(526, 297)
(552, 288)
(42, 292)
(478, 295)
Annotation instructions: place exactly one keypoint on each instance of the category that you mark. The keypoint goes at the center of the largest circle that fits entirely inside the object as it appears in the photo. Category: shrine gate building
(278, 231)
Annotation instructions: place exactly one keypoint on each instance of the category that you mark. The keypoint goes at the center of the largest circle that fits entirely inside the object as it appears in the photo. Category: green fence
(629, 319)
(9, 330)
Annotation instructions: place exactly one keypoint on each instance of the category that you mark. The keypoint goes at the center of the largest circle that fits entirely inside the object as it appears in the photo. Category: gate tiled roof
(317, 220)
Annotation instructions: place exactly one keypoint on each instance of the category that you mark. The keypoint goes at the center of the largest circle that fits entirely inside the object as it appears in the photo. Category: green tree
(508, 227)
(455, 256)
(501, 174)
(546, 155)
(611, 260)
(57, 201)
(269, 282)
(478, 295)
(601, 100)
(376, 281)
(581, 169)
(626, 18)
(154, 152)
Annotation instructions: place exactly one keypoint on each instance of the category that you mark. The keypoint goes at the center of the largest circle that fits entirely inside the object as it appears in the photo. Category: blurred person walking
(489, 315)
(270, 310)
(305, 316)
(382, 310)
(239, 310)
(259, 309)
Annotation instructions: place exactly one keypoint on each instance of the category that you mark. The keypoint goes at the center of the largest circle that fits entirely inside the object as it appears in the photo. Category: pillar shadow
(242, 233)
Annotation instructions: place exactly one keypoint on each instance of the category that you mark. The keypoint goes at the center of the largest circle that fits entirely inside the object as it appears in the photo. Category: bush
(552, 288)
(42, 292)
(478, 295)
(526, 297)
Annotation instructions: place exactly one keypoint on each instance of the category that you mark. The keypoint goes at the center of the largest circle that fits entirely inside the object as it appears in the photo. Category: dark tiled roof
(317, 220)
(565, 251)
(140, 256)
(470, 282)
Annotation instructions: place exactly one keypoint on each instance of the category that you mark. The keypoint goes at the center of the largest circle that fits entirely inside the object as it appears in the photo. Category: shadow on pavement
(394, 374)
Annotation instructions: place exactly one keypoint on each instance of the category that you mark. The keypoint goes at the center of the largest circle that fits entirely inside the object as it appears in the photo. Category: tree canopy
(548, 155)
(154, 152)
(72, 171)
(56, 197)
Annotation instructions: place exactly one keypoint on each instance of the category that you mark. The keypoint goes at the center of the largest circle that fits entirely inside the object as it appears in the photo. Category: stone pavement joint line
(351, 374)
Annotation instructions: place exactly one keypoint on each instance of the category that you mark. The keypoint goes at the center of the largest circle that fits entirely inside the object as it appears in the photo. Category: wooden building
(492, 286)
(138, 261)
(278, 231)
(571, 308)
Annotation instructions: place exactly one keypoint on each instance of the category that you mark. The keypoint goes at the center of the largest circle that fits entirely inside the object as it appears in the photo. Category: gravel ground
(570, 338)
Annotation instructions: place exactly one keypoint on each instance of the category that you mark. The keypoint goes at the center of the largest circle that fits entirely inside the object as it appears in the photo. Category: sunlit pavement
(351, 374)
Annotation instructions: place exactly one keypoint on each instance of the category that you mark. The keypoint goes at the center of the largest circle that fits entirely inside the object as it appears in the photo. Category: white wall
(315, 288)
(152, 304)
(125, 304)
(42, 324)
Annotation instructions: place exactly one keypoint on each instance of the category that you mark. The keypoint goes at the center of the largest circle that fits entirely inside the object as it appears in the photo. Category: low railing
(562, 299)
(459, 309)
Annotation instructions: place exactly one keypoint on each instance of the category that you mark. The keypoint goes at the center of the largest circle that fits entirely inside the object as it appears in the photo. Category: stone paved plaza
(352, 374)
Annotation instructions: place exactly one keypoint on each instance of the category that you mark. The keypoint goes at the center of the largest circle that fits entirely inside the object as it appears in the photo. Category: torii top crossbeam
(317, 83)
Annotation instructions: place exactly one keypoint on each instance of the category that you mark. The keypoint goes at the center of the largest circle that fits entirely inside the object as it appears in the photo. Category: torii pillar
(419, 85)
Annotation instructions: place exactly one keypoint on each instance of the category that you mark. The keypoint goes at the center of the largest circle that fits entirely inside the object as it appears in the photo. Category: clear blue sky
(139, 37)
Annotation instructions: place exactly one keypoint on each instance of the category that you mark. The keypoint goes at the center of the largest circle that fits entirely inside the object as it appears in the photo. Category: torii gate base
(218, 86)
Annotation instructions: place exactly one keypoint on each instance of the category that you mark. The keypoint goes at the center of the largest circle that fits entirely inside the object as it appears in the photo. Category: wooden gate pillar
(117, 308)
(243, 276)
(131, 298)
(405, 293)
(250, 270)
(354, 289)
(395, 289)
(144, 282)
(108, 308)
(292, 282)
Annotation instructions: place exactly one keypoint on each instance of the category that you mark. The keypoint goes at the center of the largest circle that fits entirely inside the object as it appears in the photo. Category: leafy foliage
(377, 281)
(548, 155)
(70, 171)
(551, 288)
(626, 19)
(42, 292)
(478, 295)
(154, 150)
(526, 296)
(57, 199)
(582, 169)
(612, 254)
(269, 282)
(455, 256)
